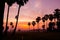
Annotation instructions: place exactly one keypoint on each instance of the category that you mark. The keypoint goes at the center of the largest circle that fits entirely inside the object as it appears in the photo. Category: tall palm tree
(43, 19)
(33, 23)
(2, 6)
(58, 25)
(57, 13)
(29, 25)
(9, 2)
(20, 3)
(51, 17)
(57, 16)
(46, 18)
(37, 20)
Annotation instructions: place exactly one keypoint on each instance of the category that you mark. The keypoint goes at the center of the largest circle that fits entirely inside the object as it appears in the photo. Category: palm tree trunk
(33, 28)
(46, 24)
(17, 19)
(7, 19)
(2, 6)
(7, 16)
(38, 25)
(29, 27)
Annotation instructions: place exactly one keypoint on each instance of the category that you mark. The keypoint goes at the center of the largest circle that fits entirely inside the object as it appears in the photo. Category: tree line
(51, 26)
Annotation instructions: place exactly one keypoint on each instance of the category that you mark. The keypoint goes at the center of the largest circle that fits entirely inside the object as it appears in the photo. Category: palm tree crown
(33, 23)
(57, 13)
(21, 2)
(51, 17)
(46, 17)
(29, 23)
(43, 19)
(38, 19)
(10, 2)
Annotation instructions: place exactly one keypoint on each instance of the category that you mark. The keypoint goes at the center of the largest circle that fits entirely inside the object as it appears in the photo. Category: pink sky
(32, 9)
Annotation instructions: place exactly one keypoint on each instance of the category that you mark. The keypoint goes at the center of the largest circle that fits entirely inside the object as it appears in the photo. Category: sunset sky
(30, 11)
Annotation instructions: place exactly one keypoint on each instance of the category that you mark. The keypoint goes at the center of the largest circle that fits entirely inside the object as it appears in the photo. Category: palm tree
(46, 18)
(20, 3)
(37, 20)
(51, 26)
(43, 26)
(9, 2)
(57, 16)
(29, 25)
(43, 19)
(2, 7)
(33, 23)
(58, 25)
(11, 23)
(57, 13)
(51, 17)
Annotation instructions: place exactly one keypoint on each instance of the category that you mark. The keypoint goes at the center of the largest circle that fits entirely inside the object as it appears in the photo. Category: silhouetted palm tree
(20, 3)
(58, 25)
(51, 17)
(43, 27)
(12, 26)
(57, 13)
(37, 20)
(11, 23)
(9, 2)
(29, 25)
(57, 16)
(43, 19)
(2, 7)
(51, 26)
(33, 23)
(46, 18)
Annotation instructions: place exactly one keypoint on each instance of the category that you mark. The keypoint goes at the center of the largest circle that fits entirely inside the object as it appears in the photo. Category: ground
(33, 36)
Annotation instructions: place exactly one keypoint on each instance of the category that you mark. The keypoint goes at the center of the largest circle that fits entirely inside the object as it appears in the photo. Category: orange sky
(30, 11)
